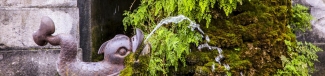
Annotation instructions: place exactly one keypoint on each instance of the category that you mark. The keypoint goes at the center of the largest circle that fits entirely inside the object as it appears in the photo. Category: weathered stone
(28, 63)
(40, 62)
(19, 55)
(38, 3)
(310, 3)
(18, 24)
(318, 23)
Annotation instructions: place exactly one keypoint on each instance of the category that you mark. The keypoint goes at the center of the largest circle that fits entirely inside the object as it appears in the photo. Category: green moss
(127, 71)
(135, 67)
(236, 62)
(128, 62)
(200, 58)
(141, 67)
(203, 71)
(259, 29)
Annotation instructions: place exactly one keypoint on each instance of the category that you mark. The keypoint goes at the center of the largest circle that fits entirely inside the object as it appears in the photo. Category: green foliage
(300, 20)
(300, 61)
(237, 49)
(228, 73)
(170, 47)
(151, 11)
(170, 43)
(229, 5)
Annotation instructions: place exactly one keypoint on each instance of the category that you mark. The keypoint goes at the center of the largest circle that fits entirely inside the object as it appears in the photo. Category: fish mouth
(137, 39)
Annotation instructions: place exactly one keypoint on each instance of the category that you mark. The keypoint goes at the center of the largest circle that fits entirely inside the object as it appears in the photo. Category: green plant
(228, 73)
(169, 47)
(229, 5)
(301, 59)
(300, 20)
(151, 11)
(237, 49)
(170, 43)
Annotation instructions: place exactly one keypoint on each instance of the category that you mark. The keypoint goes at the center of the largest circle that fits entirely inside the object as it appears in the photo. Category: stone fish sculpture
(114, 52)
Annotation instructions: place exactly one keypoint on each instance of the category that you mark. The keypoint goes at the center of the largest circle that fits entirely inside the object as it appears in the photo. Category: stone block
(41, 62)
(38, 3)
(18, 24)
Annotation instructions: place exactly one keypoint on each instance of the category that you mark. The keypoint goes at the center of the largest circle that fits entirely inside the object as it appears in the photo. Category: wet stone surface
(32, 62)
(28, 62)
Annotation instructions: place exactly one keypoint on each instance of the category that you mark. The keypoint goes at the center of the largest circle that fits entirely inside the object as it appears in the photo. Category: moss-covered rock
(259, 29)
(252, 38)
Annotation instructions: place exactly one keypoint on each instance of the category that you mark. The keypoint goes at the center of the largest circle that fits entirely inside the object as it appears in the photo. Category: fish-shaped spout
(115, 50)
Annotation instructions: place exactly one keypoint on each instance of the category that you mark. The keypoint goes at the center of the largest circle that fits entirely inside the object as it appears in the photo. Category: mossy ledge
(252, 37)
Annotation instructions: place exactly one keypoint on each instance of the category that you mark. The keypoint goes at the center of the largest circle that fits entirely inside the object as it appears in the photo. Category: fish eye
(122, 51)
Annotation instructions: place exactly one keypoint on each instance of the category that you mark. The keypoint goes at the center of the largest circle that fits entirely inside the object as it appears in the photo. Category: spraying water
(192, 26)
(213, 67)
(175, 19)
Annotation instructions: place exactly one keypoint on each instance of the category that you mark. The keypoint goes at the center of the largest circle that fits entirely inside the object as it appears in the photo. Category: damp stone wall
(19, 55)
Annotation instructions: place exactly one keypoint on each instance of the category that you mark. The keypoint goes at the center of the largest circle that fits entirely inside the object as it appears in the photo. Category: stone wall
(19, 55)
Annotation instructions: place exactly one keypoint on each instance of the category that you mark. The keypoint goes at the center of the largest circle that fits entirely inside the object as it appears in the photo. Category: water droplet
(226, 66)
(207, 38)
(241, 74)
(213, 67)
(218, 58)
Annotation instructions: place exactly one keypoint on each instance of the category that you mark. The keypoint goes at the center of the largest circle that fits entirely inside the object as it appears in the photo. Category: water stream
(176, 19)
(193, 26)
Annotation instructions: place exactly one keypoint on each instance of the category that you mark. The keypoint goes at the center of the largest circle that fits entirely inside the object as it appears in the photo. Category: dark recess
(106, 22)
(84, 29)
